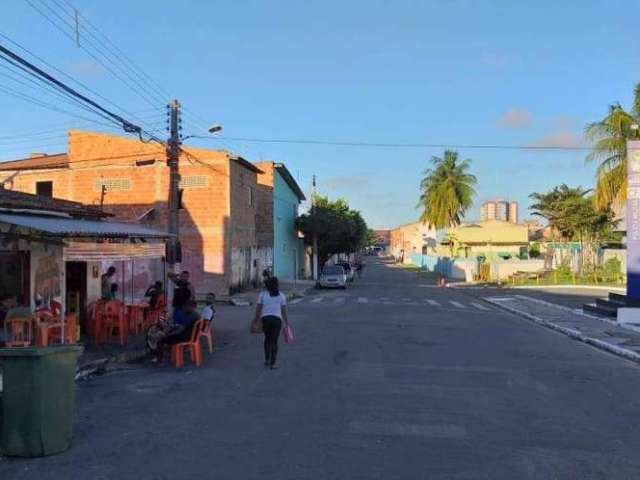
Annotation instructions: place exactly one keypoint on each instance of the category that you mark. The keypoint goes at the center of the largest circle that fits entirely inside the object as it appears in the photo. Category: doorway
(76, 300)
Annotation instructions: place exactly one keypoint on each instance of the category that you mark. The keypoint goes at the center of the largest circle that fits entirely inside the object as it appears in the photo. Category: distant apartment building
(503, 210)
(130, 180)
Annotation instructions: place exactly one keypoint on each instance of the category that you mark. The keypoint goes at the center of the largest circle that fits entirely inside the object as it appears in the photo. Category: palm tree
(610, 136)
(447, 191)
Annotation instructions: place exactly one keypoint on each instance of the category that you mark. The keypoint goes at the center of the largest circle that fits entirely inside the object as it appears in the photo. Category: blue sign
(633, 221)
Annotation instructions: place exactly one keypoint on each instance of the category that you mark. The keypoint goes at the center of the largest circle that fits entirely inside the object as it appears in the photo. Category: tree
(572, 215)
(447, 191)
(371, 239)
(338, 228)
(610, 136)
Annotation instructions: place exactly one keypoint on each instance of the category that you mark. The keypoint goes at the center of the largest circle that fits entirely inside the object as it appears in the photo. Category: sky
(456, 72)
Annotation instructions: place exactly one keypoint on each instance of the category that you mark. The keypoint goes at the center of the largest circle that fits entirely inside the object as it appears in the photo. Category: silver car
(333, 277)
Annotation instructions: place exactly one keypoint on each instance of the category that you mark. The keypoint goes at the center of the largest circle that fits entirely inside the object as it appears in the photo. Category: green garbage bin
(37, 399)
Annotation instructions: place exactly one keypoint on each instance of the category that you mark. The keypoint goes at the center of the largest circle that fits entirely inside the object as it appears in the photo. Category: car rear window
(333, 270)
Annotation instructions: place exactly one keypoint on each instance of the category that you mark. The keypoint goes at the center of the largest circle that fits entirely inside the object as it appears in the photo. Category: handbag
(288, 333)
(256, 326)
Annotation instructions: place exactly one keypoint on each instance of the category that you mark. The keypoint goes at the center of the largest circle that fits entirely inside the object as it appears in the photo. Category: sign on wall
(633, 220)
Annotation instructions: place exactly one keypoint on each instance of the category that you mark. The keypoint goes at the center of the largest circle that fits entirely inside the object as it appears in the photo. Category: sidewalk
(601, 333)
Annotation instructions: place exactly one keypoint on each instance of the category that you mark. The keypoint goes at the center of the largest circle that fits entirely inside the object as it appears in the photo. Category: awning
(92, 251)
(77, 228)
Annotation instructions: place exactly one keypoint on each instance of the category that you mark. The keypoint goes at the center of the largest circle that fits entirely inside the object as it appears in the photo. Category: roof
(287, 177)
(246, 164)
(491, 232)
(56, 160)
(11, 199)
(75, 228)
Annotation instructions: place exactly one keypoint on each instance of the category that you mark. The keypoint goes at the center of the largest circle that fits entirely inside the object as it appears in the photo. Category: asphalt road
(392, 379)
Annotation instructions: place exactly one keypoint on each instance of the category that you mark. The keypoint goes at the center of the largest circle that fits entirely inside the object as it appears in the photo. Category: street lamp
(215, 128)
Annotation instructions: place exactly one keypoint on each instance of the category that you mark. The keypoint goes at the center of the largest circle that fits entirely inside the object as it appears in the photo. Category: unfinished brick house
(130, 179)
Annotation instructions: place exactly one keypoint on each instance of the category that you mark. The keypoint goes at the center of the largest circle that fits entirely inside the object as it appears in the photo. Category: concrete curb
(568, 287)
(575, 334)
(577, 311)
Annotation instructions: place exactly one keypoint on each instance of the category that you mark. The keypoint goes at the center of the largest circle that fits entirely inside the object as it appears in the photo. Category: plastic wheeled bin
(37, 399)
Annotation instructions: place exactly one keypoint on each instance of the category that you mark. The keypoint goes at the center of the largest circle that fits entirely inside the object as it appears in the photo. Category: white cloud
(516, 118)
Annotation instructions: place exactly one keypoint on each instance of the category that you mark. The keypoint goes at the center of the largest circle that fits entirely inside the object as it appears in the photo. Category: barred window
(113, 184)
(194, 181)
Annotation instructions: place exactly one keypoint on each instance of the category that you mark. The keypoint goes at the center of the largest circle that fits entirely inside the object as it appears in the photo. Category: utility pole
(173, 156)
(315, 235)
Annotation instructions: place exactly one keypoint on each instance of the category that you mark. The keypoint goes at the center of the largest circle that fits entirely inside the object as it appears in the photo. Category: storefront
(47, 258)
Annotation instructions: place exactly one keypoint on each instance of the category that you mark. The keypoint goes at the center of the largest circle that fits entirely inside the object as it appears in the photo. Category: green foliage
(571, 213)
(338, 228)
(447, 191)
(371, 239)
(534, 250)
(609, 137)
(612, 267)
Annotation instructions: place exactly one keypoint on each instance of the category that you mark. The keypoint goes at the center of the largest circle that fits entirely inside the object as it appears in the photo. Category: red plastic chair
(207, 333)
(114, 319)
(19, 332)
(195, 349)
(55, 330)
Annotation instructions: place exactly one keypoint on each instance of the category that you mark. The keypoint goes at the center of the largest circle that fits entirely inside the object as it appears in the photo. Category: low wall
(501, 270)
(457, 268)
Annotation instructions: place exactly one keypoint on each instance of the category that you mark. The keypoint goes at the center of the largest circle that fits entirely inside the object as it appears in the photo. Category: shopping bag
(256, 326)
(288, 333)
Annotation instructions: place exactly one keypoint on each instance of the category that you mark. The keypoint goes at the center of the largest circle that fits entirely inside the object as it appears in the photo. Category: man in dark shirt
(183, 290)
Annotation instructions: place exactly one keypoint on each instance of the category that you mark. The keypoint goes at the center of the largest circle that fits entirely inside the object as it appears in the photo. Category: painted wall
(288, 249)
(47, 273)
(457, 268)
(407, 240)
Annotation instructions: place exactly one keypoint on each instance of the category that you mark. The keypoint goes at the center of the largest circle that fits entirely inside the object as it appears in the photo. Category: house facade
(130, 180)
(492, 239)
(280, 197)
(412, 238)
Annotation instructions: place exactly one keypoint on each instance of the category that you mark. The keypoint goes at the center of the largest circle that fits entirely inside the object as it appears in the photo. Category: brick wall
(264, 194)
(138, 185)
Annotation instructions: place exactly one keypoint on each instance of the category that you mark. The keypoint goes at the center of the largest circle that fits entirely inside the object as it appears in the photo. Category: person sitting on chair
(183, 322)
(153, 293)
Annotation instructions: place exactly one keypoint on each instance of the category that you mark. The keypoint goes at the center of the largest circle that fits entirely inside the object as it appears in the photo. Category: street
(392, 378)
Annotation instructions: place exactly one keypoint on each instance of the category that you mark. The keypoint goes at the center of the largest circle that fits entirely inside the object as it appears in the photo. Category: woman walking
(271, 310)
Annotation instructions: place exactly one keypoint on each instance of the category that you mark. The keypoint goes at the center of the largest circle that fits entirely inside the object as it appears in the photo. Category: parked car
(348, 270)
(333, 276)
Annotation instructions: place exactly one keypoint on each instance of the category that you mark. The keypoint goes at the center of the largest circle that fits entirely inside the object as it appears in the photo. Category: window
(250, 193)
(194, 181)
(45, 189)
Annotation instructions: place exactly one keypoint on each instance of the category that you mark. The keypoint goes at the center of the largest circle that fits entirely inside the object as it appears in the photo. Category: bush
(534, 250)
(612, 267)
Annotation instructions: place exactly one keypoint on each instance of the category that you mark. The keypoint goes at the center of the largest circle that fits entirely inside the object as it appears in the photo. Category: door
(76, 274)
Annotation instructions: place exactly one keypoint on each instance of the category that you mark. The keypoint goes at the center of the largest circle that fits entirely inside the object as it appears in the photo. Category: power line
(126, 125)
(395, 145)
(140, 93)
(69, 77)
(118, 53)
(34, 84)
(139, 154)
